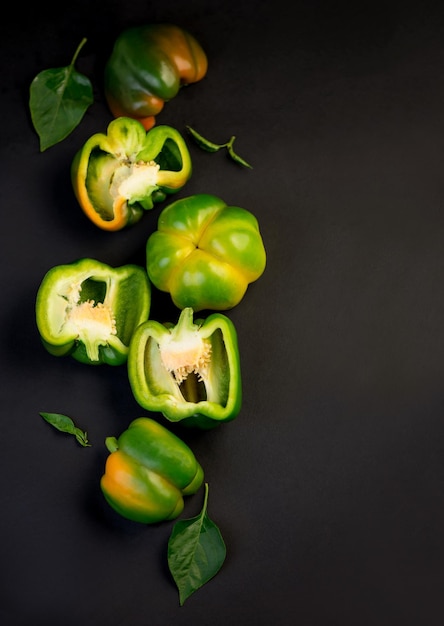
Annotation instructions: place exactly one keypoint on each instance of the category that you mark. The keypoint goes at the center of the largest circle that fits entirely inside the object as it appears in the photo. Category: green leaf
(196, 552)
(203, 143)
(66, 425)
(235, 156)
(209, 146)
(58, 100)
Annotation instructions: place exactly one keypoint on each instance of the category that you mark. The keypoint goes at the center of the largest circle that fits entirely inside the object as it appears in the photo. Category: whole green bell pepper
(147, 67)
(148, 472)
(118, 175)
(190, 372)
(205, 253)
(90, 310)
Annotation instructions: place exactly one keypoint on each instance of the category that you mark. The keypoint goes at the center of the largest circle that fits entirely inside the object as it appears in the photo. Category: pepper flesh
(147, 67)
(148, 472)
(189, 372)
(90, 310)
(205, 253)
(118, 175)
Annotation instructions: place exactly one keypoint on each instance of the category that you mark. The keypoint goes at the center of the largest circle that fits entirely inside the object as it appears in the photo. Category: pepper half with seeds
(118, 175)
(190, 372)
(90, 310)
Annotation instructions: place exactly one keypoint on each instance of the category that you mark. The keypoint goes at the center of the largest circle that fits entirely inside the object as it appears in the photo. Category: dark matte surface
(329, 486)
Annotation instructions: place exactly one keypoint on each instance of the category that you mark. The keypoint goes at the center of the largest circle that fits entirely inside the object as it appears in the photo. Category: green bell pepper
(190, 372)
(90, 310)
(205, 253)
(148, 472)
(118, 175)
(147, 67)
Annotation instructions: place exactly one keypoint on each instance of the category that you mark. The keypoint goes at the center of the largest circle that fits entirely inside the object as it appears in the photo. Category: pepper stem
(111, 444)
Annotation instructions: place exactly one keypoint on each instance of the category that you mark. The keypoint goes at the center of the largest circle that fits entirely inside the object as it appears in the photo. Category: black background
(329, 486)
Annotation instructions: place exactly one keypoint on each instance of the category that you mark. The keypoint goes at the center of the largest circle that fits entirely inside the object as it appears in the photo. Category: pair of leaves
(196, 552)
(58, 100)
(210, 146)
(66, 425)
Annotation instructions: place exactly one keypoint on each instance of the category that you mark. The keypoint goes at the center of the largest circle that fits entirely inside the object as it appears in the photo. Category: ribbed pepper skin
(147, 67)
(148, 472)
(205, 253)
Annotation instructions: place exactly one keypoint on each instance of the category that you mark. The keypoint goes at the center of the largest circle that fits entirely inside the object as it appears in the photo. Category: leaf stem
(205, 502)
(77, 52)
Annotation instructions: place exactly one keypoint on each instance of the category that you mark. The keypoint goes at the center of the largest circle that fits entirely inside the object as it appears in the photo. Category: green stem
(205, 502)
(111, 444)
(76, 54)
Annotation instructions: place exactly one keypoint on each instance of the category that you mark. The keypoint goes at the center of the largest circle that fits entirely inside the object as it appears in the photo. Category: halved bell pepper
(118, 175)
(148, 472)
(90, 310)
(205, 253)
(190, 372)
(147, 67)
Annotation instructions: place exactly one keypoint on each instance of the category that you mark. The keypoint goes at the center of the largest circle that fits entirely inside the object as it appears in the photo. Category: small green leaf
(82, 438)
(235, 156)
(66, 425)
(209, 146)
(203, 143)
(196, 552)
(58, 100)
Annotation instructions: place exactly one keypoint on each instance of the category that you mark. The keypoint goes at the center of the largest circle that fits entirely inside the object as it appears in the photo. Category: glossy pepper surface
(118, 175)
(147, 67)
(190, 372)
(148, 472)
(90, 310)
(205, 253)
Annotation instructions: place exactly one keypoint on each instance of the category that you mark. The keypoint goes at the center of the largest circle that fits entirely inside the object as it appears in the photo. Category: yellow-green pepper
(118, 175)
(189, 371)
(205, 253)
(90, 310)
(148, 472)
